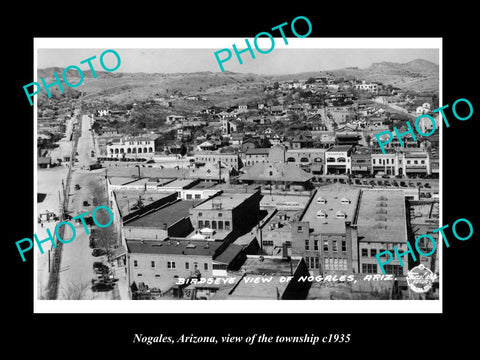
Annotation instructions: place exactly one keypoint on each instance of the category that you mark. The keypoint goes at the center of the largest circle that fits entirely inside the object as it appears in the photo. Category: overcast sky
(278, 61)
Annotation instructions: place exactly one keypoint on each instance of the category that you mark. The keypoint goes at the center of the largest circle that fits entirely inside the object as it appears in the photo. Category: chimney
(285, 251)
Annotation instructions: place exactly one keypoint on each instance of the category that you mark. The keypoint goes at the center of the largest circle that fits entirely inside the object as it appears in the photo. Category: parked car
(102, 285)
(98, 252)
(98, 264)
(427, 185)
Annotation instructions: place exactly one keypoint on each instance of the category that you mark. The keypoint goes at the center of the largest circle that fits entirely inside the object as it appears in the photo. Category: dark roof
(257, 151)
(229, 254)
(340, 148)
(169, 214)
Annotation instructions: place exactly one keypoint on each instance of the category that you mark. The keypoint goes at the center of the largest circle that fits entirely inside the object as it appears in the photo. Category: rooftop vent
(345, 200)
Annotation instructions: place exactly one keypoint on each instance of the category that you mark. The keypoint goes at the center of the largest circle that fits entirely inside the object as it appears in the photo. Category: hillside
(228, 88)
(417, 75)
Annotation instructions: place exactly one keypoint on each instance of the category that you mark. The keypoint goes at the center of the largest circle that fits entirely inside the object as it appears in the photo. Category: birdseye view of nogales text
(247, 173)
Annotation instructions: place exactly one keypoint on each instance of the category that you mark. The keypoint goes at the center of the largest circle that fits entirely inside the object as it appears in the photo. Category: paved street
(76, 263)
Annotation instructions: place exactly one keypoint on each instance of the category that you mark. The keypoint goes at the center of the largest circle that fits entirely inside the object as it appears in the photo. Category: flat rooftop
(328, 202)
(382, 216)
(203, 185)
(261, 287)
(340, 148)
(229, 201)
(261, 279)
(270, 265)
(179, 183)
(124, 180)
(126, 199)
(168, 214)
(284, 201)
(177, 247)
(156, 172)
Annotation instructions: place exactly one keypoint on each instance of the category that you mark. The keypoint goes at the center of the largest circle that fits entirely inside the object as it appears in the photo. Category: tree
(76, 290)
(310, 80)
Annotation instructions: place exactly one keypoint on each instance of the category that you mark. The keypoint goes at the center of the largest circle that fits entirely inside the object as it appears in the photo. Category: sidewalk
(121, 289)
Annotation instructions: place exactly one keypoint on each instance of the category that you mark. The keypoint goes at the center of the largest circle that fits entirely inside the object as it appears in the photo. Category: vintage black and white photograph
(310, 173)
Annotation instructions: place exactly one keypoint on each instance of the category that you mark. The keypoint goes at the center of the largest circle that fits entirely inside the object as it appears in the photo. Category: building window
(139, 275)
(364, 252)
(393, 269)
(369, 268)
(220, 225)
(334, 245)
(205, 266)
(171, 264)
(214, 224)
(325, 245)
(373, 252)
(344, 245)
(207, 223)
(157, 275)
(312, 262)
(135, 263)
(189, 196)
(152, 263)
(267, 242)
(198, 196)
(227, 225)
(220, 214)
(187, 265)
(200, 214)
(195, 265)
(299, 229)
(200, 224)
(307, 244)
(422, 162)
(315, 245)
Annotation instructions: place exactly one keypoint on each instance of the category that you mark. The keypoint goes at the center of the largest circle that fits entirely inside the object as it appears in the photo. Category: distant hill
(417, 75)
(228, 88)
